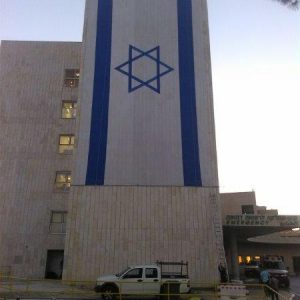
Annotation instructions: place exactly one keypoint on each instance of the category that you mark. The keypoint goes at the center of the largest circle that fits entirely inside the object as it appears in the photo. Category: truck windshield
(121, 273)
(278, 265)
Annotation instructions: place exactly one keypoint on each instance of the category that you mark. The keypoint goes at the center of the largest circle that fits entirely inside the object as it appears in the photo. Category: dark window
(134, 273)
(276, 265)
(58, 222)
(247, 209)
(72, 78)
(151, 273)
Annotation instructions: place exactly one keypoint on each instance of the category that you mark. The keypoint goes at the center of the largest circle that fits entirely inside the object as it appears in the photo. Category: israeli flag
(146, 113)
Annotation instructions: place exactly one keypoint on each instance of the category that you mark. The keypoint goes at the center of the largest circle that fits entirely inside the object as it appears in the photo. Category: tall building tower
(145, 184)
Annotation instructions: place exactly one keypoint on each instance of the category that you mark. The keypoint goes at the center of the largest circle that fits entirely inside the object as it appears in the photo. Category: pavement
(294, 289)
(295, 286)
(48, 289)
(57, 289)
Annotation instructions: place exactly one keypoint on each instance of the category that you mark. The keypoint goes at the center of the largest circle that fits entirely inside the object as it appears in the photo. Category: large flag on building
(146, 115)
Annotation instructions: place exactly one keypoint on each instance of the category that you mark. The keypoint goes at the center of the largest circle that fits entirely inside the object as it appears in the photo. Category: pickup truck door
(151, 281)
(132, 282)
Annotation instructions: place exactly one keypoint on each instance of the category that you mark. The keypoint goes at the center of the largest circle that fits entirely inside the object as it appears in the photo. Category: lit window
(63, 181)
(69, 110)
(72, 78)
(66, 144)
(257, 257)
(240, 260)
(58, 222)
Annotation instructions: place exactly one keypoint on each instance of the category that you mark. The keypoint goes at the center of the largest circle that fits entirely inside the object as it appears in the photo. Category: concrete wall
(144, 134)
(31, 94)
(135, 138)
(231, 203)
(112, 227)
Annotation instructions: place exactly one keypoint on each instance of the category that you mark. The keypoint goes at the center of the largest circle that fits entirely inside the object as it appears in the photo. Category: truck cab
(142, 279)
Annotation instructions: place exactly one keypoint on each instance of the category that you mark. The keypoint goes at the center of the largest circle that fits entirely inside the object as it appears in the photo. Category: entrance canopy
(246, 226)
(239, 228)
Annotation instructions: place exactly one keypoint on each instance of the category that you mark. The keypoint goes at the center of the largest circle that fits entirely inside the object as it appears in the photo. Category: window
(69, 109)
(63, 181)
(66, 143)
(123, 272)
(58, 222)
(151, 273)
(134, 273)
(247, 209)
(72, 78)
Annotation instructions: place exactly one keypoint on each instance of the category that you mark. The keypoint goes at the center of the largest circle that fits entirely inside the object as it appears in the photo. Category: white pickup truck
(146, 280)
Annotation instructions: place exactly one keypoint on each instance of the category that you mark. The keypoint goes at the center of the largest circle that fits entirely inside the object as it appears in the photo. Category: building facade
(252, 231)
(130, 175)
(34, 167)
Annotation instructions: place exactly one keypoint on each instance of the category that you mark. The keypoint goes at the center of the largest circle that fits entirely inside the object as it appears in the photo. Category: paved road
(295, 286)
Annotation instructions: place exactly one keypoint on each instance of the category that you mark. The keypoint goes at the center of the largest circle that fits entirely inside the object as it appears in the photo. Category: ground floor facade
(102, 230)
(112, 227)
(93, 231)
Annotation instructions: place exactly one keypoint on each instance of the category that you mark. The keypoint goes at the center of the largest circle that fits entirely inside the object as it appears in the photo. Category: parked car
(145, 279)
(275, 266)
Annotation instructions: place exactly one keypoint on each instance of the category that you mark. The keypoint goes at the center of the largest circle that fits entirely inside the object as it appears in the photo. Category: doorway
(54, 265)
(296, 263)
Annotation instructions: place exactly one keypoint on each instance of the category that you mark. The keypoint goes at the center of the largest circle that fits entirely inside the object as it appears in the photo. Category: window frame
(125, 275)
(69, 78)
(64, 186)
(246, 208)
(73, 102)
(63, 223)
(151, 277)
(67, 147)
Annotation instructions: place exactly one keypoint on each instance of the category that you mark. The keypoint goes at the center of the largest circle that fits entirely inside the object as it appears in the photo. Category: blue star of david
(151, 56)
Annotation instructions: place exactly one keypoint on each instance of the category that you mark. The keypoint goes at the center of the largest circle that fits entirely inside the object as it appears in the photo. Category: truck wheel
(108, 292)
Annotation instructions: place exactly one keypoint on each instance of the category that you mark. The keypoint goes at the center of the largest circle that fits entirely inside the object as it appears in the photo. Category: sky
(255, 50)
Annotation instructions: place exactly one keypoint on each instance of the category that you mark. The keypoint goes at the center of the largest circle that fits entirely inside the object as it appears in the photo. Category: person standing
(265, 279)
(223, 273)
(274, 285)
